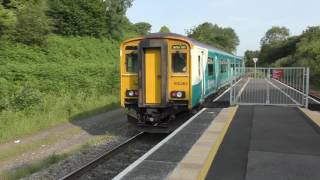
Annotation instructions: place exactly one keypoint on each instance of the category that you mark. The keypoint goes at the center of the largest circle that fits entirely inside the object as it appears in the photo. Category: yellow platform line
(197, 162)
(313, 115)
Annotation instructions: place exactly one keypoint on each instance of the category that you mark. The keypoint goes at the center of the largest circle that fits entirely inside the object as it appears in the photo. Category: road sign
(255, 60)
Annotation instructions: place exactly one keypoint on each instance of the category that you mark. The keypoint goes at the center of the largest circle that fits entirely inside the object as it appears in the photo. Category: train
(163, 74)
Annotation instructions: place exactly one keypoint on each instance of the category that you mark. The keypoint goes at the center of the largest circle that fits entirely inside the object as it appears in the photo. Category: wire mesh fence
(270, 86)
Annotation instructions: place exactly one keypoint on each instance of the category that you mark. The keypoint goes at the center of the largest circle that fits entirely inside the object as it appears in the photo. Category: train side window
(223, 67)
(179, 62)
(211, 70)
(131, 59)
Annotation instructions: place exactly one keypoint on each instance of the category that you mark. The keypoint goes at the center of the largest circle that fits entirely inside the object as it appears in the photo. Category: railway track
(315, 95)
(114, 161)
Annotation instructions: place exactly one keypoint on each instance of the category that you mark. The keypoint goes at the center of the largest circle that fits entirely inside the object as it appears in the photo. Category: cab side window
(132, 59)
(179, 62)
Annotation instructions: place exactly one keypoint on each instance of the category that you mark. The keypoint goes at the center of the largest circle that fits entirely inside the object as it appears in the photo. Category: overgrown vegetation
(278, 48)
(43, 87)
(58, 60)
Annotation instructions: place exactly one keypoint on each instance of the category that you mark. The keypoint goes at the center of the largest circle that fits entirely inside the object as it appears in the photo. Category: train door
(153, 75)
(201, 74)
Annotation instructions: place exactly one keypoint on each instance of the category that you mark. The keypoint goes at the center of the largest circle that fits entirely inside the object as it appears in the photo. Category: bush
(26, 99)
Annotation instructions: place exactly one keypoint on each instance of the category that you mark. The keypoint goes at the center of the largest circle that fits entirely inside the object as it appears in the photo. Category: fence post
(307, 87)
(268, 86)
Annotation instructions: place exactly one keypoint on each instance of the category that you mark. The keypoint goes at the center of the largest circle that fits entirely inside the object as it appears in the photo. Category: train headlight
(178, 94)
(132, 93)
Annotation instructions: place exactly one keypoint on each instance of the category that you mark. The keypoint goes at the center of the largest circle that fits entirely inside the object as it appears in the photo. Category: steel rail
(99, 160)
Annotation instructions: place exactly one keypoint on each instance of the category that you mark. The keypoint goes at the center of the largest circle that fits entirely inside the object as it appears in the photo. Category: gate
(287, 86)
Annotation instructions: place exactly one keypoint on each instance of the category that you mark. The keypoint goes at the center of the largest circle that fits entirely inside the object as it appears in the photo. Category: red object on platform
(277, 74)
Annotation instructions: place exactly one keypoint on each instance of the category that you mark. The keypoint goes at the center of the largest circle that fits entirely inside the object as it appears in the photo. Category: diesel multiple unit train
(163, 74)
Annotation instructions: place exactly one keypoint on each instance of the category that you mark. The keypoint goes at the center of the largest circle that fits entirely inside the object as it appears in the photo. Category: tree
(142, 28)
(79, 17)
(308, 52)
(33, 26)
(223, 38)
(248, 57)
(116, 19)
(274, 35)
(164, 29)
(92, 18)
(272, 52)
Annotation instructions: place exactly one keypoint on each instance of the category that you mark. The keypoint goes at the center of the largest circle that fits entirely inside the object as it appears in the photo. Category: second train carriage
(165, 73)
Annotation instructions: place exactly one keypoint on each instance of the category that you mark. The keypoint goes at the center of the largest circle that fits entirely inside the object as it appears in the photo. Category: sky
(249, 18)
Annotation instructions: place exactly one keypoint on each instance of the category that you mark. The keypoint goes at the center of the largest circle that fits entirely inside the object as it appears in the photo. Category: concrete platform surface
(282, 143)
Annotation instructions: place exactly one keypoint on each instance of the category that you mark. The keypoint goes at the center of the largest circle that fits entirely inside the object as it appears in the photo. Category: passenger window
(131, 59)
(223, 67)
(211, 70)
(179, 62)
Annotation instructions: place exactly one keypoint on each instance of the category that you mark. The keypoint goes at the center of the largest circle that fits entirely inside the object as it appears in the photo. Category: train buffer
(245, 141)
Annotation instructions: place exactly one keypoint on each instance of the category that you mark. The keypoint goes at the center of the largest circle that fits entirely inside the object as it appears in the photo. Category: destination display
(176, 47)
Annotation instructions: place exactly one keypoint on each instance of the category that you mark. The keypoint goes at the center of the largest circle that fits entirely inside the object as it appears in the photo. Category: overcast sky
(249, 18)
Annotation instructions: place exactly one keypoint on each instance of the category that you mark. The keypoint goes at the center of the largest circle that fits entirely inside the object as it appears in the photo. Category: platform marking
(198, 160)
(313, 115)
(313, 99)
(283, 92)
(156, 147)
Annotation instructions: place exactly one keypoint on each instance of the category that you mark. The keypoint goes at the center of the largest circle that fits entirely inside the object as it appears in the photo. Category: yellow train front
(164, 74)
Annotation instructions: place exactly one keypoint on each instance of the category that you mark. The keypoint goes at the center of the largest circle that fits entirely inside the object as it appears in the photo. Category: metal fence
(288, 86)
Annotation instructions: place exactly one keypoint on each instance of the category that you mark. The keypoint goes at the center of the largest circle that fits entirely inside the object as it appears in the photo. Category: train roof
(193, 41)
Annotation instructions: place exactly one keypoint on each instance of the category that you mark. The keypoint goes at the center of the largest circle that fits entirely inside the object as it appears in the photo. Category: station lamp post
(255, 60)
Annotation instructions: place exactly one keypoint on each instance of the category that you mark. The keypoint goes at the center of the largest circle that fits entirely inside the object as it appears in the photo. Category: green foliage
(90, 18)
(280, 50)
(164, 29)
(116, 19)
(220, 37)
(26, 98)
(270, 53)
(42, 87)
(33, 26)
(274, 35)
(142, 28)
(308, 52)
(78, 17)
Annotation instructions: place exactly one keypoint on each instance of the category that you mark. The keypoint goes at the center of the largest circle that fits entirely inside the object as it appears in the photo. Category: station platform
(245, 142)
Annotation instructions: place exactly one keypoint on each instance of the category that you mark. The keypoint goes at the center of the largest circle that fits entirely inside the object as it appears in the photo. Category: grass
(54, 111)
(41, 87)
